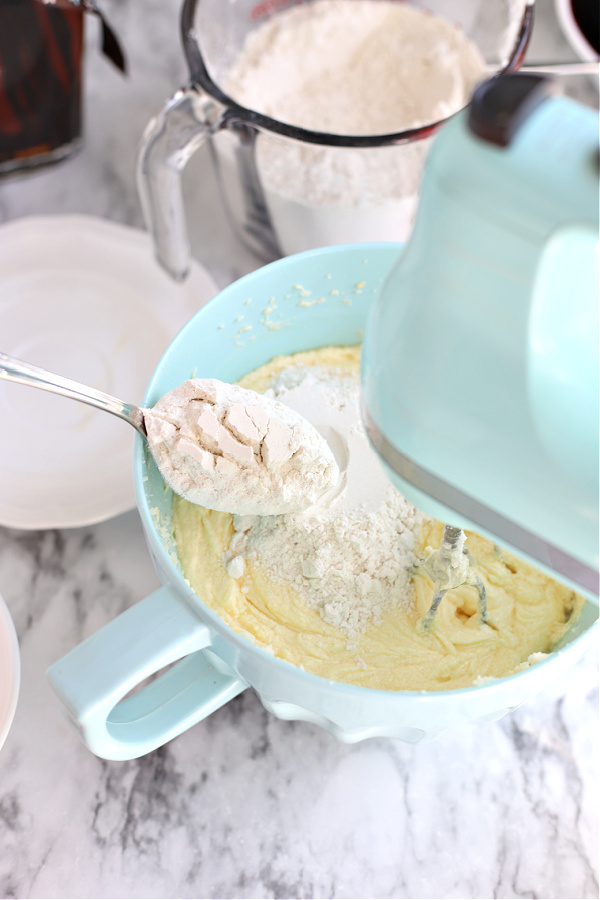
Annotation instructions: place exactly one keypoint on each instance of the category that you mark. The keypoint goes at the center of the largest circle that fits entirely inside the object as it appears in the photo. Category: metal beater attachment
(448, 568)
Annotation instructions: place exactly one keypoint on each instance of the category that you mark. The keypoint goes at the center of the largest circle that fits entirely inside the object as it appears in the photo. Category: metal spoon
(12, 369)
(280, 447)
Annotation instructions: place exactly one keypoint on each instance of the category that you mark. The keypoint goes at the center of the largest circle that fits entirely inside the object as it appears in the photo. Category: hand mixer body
(480, 360)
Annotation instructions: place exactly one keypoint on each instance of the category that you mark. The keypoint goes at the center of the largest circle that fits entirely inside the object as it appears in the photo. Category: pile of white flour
(352, 67)
(355, 67)
(237, 451)
(349, 556)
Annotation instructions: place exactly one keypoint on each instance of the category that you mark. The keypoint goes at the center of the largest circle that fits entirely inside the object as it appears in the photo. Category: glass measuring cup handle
(169, 141)
(171, 138)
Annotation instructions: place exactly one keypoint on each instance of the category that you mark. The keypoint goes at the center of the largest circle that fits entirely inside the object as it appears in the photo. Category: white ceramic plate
(10, 671)
(82, 297)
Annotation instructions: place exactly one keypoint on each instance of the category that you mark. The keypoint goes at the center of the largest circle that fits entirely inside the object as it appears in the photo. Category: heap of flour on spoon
(231, 449)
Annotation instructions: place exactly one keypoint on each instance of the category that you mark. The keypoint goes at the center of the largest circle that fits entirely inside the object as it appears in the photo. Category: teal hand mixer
(480, 357)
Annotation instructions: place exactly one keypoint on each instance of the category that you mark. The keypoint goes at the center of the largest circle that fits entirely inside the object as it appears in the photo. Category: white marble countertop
(243, 804)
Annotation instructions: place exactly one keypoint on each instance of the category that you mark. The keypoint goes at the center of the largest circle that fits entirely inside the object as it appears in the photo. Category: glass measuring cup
(266, 219)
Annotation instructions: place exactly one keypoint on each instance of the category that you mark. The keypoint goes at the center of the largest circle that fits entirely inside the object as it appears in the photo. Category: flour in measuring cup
(350, 555)
(352, 67)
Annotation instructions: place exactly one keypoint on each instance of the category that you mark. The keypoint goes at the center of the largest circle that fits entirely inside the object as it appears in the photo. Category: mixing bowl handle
(92, 681)
(169, 141)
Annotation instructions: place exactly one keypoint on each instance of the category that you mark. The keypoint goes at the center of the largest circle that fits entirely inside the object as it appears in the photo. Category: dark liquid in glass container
(40, 82)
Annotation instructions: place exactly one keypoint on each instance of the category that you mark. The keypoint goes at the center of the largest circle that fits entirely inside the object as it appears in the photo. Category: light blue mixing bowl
(313, 299)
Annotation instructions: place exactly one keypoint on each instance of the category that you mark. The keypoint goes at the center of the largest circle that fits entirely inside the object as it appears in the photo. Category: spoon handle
(12, 369)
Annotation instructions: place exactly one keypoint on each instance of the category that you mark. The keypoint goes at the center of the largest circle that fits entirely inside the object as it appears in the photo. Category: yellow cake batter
(528, 612)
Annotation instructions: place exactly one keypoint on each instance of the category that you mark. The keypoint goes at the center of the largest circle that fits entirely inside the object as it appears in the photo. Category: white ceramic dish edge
(10, 671)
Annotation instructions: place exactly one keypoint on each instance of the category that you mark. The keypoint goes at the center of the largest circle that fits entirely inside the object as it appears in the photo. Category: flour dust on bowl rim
(314, 299)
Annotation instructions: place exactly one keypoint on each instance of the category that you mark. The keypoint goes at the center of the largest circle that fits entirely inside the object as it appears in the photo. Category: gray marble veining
(245, 805)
